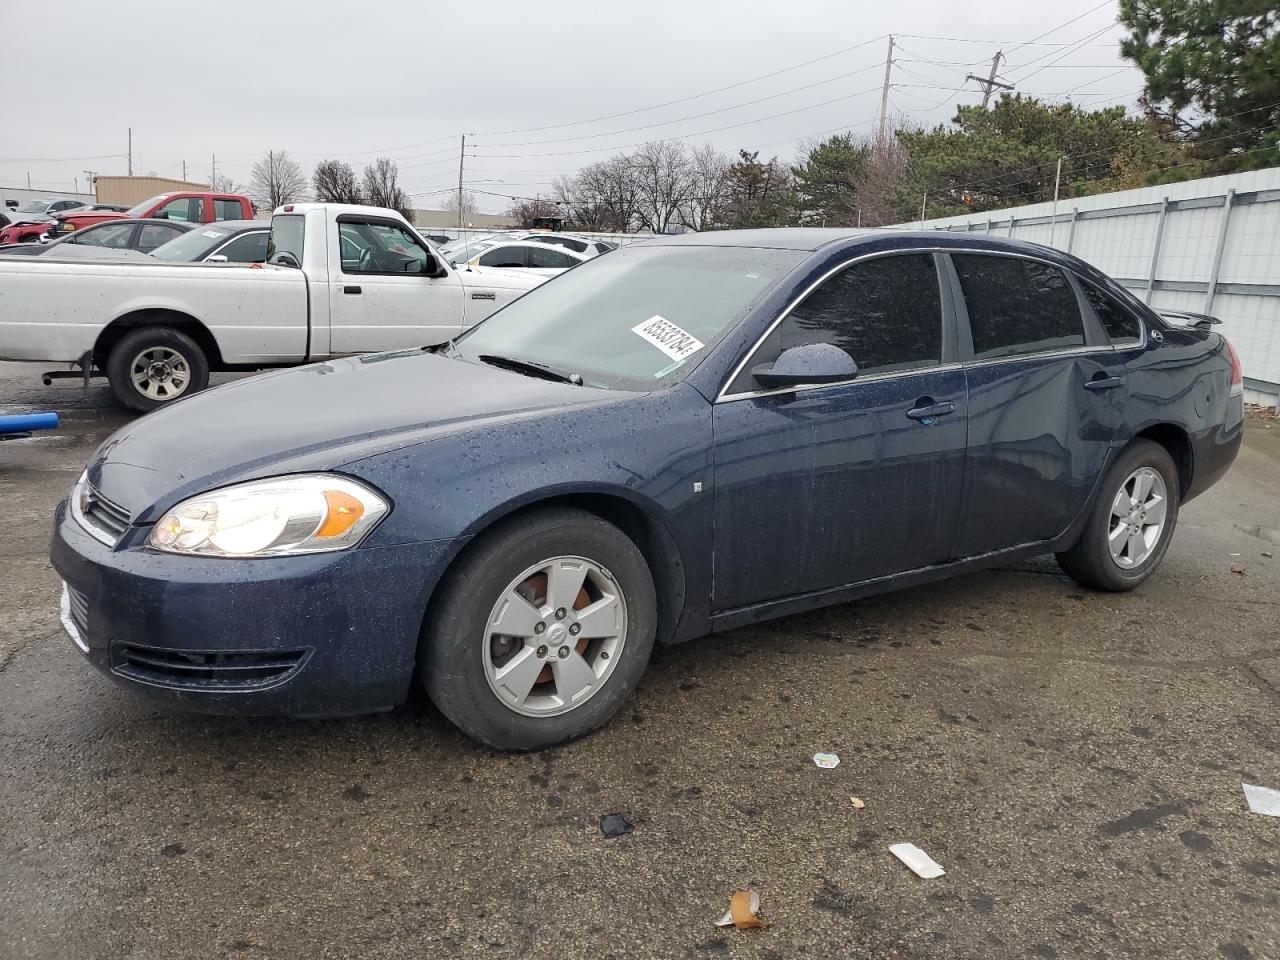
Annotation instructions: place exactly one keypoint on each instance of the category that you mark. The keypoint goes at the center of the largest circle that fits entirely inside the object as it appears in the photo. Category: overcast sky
(354, 81)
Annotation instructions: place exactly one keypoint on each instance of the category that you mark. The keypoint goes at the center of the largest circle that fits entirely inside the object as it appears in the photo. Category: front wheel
(1132, 521)
(541, 632)
(154, 366)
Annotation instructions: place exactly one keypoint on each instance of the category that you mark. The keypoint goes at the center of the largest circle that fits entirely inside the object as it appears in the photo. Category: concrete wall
(12, 196)
(133, 190)
(1210, 245)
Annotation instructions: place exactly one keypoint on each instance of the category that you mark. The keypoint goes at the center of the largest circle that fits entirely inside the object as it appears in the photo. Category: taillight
(1237, 374)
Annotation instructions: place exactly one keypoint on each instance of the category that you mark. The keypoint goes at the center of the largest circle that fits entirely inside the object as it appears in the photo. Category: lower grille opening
(214, 670)
(79, 608)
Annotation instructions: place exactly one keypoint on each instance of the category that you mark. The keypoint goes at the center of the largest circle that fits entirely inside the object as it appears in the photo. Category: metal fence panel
(1210, 245)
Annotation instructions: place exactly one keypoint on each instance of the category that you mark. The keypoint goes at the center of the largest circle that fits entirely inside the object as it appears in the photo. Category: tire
(1090, 560)
(462, 658)
(174, 352)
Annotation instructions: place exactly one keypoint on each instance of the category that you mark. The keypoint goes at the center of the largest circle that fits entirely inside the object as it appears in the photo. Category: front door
(379, 296)
(817, 487)
(1046, 396)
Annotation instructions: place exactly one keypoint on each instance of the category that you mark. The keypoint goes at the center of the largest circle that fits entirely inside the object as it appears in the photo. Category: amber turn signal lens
(344, 511)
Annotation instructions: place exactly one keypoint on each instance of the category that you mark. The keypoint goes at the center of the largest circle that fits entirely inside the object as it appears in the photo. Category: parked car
(522, 256)
(439, 239)
(182, 207)
(230, 241)
(581, 245)
(139, 235)
(340, 279)
(690, 434)
(32, 218)
(460, 251)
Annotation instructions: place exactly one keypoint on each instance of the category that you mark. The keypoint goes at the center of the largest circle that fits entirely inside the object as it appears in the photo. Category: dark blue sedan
(684, 436)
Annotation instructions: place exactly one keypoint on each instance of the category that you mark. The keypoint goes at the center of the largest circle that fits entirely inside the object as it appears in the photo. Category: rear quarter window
(1121, 325)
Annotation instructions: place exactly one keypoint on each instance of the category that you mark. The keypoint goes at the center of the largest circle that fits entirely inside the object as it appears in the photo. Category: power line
(100, 156)
(696, 96)
(695, 116)
(1105, 3)
(1064, 54)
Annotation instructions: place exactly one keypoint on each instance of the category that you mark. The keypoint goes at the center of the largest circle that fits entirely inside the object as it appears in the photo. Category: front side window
(367, 246)
(885, 313)
(247, 248)
(226, 209)
(153, 235)
(186, 209)
(511, 256)
(115, 235)
(550, 259)
(1018, 306)
(638, 319)
(1121, 325)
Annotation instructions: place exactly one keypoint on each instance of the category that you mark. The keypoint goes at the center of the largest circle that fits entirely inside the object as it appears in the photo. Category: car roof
(183, 224)
(237, 226)
(816, 238)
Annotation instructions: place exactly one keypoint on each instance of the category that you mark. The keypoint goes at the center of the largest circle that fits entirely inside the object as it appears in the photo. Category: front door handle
(1104, 383)
(927, 409)
(350, 289)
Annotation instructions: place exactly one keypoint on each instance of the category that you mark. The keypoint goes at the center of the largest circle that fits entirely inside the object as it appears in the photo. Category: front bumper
(307, 636)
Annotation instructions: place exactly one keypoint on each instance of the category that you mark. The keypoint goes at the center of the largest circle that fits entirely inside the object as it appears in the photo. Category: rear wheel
(1132, 521)
(541, 632)
(154, 366)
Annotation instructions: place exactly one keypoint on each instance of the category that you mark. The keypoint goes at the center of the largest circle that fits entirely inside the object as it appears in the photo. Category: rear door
(1046, 396)
(379, 297)
(825, 485)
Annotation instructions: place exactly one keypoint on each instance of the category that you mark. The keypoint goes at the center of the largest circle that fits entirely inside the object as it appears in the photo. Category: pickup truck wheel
(154, 366)
(1131, 524)
(541, 632)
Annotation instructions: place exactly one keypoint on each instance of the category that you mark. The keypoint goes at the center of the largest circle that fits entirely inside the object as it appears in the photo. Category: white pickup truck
(339, 280)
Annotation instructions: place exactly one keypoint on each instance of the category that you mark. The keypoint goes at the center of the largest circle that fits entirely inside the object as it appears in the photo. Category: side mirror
(431, 267)
(810, 363)
(217, 258)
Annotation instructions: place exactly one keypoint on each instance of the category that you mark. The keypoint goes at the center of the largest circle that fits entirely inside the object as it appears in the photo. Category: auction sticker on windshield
(666, 336)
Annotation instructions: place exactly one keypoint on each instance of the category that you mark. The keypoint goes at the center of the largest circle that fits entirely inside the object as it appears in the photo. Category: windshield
(34, 206)
(467, 251)
(191, 246)
(141, 209)
(636, 320)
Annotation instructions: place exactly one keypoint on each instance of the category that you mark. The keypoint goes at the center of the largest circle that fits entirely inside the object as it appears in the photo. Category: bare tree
(333, 181)
(876, 180)
(663, 182)
(382, 188)
(469, 205)
(529, 212)
(277, 179)
(221, 183)
(708, 185)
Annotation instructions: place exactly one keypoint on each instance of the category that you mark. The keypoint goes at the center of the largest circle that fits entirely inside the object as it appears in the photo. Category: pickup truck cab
(184, 207)
(340, 279)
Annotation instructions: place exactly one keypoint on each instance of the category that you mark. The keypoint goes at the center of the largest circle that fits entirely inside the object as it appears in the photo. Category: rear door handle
(929, 410)
(350, 289)
(1104, 383)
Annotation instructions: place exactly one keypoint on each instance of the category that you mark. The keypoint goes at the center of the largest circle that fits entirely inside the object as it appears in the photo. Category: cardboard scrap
(743, 912)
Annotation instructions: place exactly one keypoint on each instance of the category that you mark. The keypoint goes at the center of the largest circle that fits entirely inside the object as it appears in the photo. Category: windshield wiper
(530, 368)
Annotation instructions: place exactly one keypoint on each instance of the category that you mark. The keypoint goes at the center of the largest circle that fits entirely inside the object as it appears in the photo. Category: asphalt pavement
(1072, 759)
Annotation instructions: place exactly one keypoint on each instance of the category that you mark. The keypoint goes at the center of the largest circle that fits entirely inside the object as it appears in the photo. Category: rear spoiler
(1201, 321)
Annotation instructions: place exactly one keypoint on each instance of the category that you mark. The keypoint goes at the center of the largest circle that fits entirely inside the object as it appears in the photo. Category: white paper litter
(1262, 800)
(923, 865)
(727, 919)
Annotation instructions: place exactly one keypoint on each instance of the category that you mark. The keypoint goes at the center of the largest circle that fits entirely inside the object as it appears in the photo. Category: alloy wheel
(1137, 518)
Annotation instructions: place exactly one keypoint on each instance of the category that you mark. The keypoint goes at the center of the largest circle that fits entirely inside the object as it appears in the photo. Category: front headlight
(310, 513)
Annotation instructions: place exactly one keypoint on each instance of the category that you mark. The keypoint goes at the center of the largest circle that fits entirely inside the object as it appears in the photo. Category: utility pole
(131, 151)
(1053, 220)
(990, 82)
(89, 179)
(184, 170)
(884, 94)
(213, 169)
(461, 154)
(924, 200)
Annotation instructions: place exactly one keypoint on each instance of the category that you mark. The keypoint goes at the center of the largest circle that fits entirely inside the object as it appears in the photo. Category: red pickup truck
(185, 207)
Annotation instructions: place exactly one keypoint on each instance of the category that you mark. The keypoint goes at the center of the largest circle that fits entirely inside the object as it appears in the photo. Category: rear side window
(550, 258)
(153, 235)
(1018, 306)
(227, 210)
(885, 313)
(1120, 324)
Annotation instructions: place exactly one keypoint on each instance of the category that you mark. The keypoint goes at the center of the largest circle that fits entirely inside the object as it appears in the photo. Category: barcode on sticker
(667, 337)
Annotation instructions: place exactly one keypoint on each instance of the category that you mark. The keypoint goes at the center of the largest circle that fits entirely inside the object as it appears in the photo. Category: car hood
(19, 219)
(317, 417)
(94, 215)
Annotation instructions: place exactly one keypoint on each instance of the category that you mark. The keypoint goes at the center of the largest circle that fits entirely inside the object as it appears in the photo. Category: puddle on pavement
(1269, 534)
